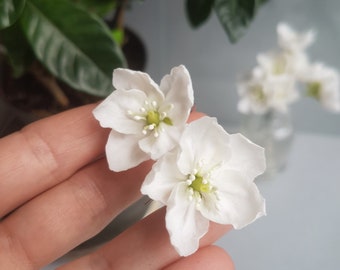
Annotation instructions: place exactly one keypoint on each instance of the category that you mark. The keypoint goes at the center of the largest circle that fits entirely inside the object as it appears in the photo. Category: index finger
(45, 153)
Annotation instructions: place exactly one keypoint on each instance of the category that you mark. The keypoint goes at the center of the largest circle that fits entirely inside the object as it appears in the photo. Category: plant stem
(50, 83)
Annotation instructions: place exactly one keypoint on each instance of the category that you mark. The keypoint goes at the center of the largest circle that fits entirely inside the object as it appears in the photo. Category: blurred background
(215, 64)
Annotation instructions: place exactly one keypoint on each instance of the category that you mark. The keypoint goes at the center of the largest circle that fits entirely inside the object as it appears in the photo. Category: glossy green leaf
(198, 11)
(236, 15)
(10, 11)
(72, 44)
(19, 52)
(101, 8)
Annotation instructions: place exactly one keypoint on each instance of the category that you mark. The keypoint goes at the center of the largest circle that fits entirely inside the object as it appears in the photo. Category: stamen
(142, 109)
(163, 115)
(129, 112)
(191, 177)
(139, 117)
(144, 132)
(151, 127)
(154, 103)
(189, 182)
(155, 134)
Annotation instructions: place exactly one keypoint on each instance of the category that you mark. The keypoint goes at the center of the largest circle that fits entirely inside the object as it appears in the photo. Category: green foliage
(101, 8)
(73, 45)
(70, 39)
(71, 42)
(234, 15)
(10, 11)
(19, 51)
(198, 11)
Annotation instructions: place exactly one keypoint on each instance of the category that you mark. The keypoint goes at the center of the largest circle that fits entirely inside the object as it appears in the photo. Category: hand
(56, 191)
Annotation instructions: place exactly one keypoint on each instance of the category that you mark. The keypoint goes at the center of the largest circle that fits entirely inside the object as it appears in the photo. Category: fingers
(209, 257)
(61, 218)
(45, 153)
(145, 245)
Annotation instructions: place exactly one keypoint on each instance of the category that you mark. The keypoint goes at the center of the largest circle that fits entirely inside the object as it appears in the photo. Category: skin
(56, 191)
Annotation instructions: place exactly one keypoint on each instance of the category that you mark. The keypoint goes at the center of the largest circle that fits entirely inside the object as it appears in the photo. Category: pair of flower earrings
(201, 173)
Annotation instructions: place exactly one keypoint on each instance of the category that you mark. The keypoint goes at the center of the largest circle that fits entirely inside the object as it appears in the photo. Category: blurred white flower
(323, 84)
(260, 92)
(291, 41)
(209, 176)
(277, 63)
(146, 119)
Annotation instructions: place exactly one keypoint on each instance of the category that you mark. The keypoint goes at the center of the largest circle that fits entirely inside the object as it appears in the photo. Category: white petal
(290, 40)
(240, 202)
(247, 157)
(184, 223)
(178, 91)
(123, 152)
(203, 139)
(164, 142)
(126, 79)
(162, 178)
(113, 111)
(282, 92)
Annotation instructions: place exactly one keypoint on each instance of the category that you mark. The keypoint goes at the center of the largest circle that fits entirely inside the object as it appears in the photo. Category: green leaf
(198, 11)
(236, 15)
(72, 44)
(10, 11)
(19, 52)
(101, 8)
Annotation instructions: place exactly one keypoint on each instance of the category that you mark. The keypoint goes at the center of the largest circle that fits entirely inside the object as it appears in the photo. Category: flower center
(258, 93)
(152, 117)
(200, 184)
(280, 66)
(314, 89)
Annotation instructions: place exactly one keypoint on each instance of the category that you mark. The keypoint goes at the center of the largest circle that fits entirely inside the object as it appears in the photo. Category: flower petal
(126, 79)
(203, 140)
(162, 178)
(239, 201)
(166, 141)
(288, 39)
(178, 91)
(247, 157)
(113, 111)
(184, 223)
(122, 152)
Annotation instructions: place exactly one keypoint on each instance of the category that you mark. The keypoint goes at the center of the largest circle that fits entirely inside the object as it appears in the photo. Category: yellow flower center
(257, 93)
(200, 185)
(155, 118)
(152, 117)
(314, 90)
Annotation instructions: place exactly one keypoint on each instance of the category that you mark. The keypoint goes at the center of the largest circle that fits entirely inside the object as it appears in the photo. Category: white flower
(278, 63)
(209, 176)
(260, 92)
(292, 41)
(323, 84)
(146, 119)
